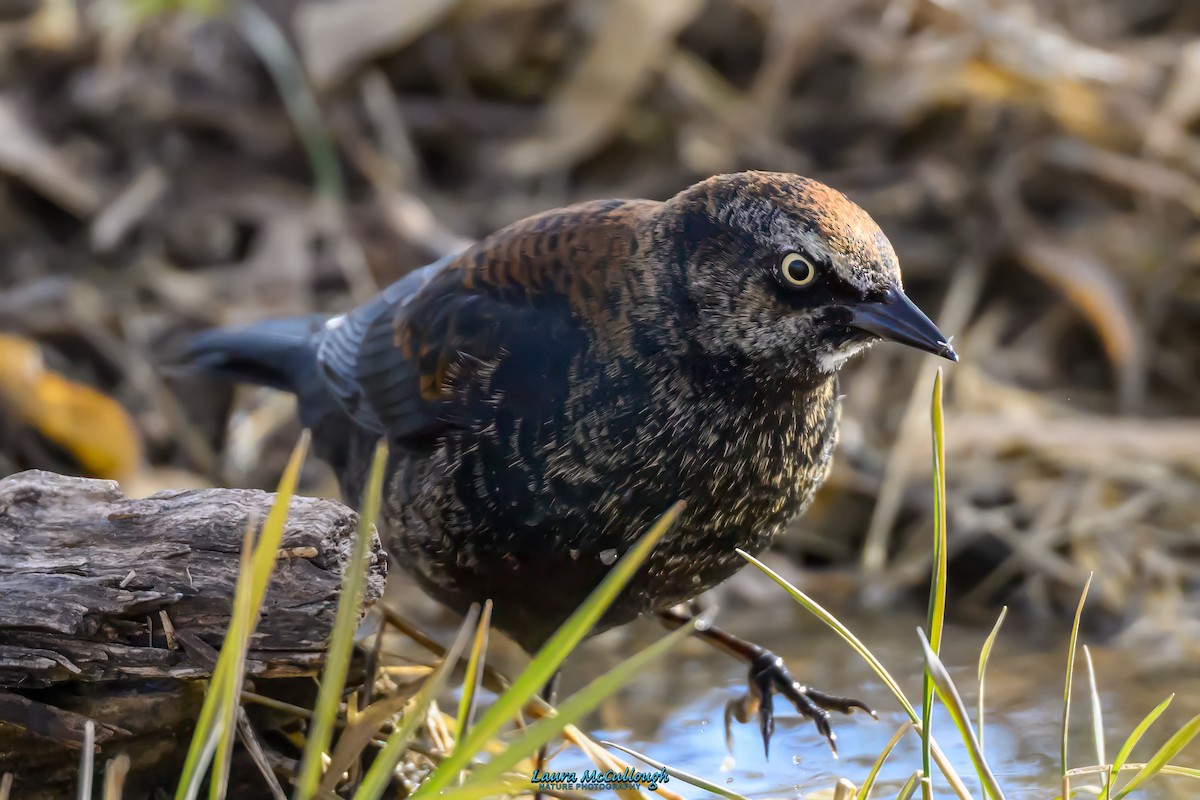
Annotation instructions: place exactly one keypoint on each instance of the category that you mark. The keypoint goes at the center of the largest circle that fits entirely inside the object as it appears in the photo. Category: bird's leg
(549, 694)
(768, 676)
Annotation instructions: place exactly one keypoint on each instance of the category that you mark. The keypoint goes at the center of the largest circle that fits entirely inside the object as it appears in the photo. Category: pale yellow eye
(797, 270)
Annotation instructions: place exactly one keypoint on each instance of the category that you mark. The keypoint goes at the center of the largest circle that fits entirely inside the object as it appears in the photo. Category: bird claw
(769, 676)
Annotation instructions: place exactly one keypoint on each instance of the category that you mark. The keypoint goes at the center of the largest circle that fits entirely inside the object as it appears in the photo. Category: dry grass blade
(474, 677)
(357, 735)
(87, 755)
(843, 790)
(115, 772)
(376, 781)
(910, 786)
(1097, 712)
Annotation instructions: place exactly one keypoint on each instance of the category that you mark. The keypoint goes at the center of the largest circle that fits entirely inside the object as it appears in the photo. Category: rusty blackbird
(551, 391)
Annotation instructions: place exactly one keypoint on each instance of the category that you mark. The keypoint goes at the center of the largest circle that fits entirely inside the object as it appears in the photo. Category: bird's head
(783, 270)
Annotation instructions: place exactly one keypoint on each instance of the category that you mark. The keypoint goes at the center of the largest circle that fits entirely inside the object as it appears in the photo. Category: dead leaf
(632, 39)
(24, 155)
(91, 426)
(335, 38)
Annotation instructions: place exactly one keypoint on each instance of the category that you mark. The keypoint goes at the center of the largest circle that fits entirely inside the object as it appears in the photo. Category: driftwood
(110, 608)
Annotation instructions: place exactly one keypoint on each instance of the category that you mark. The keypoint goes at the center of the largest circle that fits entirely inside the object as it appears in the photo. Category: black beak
(898, 319)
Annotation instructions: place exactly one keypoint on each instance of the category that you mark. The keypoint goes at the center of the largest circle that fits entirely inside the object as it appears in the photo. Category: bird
(549, 392)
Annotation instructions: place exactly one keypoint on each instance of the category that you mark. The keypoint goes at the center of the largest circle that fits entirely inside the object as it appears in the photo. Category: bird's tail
(280, 353)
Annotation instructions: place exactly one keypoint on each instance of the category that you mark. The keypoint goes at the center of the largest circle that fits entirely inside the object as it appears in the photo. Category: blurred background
(169, 166)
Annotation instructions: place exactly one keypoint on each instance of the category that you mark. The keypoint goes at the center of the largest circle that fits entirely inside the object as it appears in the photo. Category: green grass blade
(1186, 772)
(549, 658)
(1097, 712)
(1066, 715)
(579, 704)
(984, 655)
(215, 719)
(1162, 758)
(1131, 742)
(379, 776)
(815, 608)
(272, 47)
(226, 683)
(686, 777)
(948, 693)
(841, 630)
(864, 791)
(341, 642)
(937, 588)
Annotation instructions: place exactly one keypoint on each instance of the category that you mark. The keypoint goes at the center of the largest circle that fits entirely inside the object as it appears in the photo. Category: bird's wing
(505, 319)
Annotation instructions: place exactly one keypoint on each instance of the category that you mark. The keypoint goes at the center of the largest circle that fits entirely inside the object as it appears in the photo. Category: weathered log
(111, 607)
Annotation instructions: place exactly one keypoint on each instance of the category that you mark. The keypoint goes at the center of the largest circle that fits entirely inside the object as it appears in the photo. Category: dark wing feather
(504, 321)
(357, 359)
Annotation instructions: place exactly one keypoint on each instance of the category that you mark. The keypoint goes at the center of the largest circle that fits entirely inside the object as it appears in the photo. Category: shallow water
(674, 712)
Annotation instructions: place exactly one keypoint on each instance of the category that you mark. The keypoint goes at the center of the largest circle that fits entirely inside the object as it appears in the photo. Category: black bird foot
(768, 676)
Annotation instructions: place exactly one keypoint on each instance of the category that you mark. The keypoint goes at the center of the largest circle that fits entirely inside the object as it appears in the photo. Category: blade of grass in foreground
(864, 791)
(341, 642)
(984, 655)
(910, 786)
(1066, 715)
(357, 734)
(1131, 742)
(215, 720)
(227, 677)
(948, 693)
(686, 777)
(548, 659)
(1097, 714)
(1163, 757)
(937, 588)
(866, 655)
(87, 761)
(474, 677)
(576, 706)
